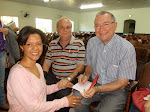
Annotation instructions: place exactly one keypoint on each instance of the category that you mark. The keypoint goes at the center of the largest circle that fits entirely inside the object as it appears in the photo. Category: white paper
(81, 88)
(147, 97)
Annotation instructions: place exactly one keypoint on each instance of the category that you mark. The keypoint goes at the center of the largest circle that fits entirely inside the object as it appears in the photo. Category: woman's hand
(63, 83)
(68, 85)
(73, 100)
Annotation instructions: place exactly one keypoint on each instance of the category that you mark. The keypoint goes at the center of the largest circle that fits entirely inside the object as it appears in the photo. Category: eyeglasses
(104, 25)
(63, 28)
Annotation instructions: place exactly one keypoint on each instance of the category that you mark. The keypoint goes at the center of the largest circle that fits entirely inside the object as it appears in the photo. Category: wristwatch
(69, 79)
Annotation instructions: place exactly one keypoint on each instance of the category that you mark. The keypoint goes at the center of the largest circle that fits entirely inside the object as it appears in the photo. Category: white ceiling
(74, 5)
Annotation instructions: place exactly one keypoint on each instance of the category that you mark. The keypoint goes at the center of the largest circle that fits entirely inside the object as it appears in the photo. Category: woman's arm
(52, 88)
(25, 93)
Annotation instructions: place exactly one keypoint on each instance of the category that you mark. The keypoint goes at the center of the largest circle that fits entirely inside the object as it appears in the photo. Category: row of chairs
(143, 69)
(133, 38)
(141, 82)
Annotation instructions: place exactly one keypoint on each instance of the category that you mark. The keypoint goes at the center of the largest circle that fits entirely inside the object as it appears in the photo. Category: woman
(26, 85)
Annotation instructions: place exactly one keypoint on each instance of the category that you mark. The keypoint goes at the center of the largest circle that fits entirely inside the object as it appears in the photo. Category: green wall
(140, 15)
(8, 8)
(83, 21)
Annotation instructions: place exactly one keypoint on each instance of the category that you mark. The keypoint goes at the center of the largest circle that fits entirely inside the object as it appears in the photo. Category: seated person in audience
(26, 87)
(113, 59)
(66, 55)
(133, 108)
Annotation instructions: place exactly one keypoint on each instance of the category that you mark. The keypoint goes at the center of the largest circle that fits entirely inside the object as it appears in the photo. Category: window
(44, 24)
(9, 19)
(72, 22)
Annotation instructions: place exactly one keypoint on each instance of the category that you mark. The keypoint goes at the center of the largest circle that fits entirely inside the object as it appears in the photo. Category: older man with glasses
(114, 60)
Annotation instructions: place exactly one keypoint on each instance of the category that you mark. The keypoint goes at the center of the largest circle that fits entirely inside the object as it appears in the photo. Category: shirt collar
(99, 40)
(112, 42)
(71, 41)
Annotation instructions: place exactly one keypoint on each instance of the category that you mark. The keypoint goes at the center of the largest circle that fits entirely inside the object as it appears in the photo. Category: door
(129, 26)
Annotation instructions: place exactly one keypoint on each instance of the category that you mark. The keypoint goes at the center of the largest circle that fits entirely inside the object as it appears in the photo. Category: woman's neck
(27, 63)
(30, 66)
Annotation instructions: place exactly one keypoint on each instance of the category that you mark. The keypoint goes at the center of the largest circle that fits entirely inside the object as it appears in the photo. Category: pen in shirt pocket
(115, 65)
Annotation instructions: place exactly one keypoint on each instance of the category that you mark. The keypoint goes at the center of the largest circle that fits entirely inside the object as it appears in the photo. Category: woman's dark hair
(26, 32)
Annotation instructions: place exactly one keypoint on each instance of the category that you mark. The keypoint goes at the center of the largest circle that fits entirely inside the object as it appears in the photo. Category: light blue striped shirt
(117, 59)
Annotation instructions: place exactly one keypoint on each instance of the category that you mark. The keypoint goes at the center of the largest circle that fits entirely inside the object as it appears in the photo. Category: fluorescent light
(57, 0)
(46, 0)
(91, 6)
(130, 15)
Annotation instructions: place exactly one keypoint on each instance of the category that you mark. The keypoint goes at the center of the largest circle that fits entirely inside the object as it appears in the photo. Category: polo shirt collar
(71, 41)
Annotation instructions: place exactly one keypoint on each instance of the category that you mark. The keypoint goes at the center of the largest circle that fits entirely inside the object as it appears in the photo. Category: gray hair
(106, 12)
(62, 19)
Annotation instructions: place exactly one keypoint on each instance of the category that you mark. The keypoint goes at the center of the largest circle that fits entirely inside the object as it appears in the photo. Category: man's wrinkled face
(64, 29)
(105, 27)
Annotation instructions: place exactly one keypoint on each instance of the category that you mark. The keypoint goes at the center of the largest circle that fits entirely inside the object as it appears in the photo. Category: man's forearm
(46, 66)
(116, 85)
(88, 70)
(79, 69)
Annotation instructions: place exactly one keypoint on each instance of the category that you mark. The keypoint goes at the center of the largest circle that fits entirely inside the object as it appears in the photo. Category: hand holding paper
(81, 87)
(87, 86)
